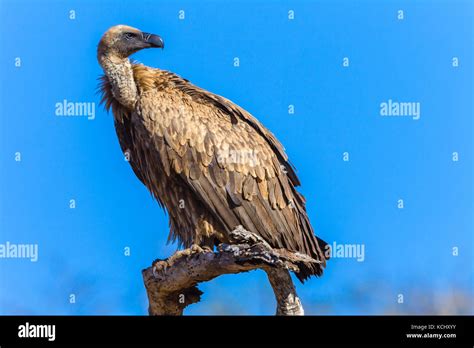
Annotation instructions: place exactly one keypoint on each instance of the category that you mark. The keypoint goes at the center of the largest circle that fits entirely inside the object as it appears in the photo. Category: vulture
(207, 161)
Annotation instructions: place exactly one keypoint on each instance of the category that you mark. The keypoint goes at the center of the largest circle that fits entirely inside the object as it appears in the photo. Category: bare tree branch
(171, 284)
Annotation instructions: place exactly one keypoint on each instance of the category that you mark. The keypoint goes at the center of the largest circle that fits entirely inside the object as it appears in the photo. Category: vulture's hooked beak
(153, 40)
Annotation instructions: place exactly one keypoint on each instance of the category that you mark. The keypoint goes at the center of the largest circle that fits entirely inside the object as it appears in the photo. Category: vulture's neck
(120, 74)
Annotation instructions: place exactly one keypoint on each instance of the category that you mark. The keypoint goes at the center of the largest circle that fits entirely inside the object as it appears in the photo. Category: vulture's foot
(207, 249)
(241, 236)
(195, 249)
(159, 266)
(162, 265)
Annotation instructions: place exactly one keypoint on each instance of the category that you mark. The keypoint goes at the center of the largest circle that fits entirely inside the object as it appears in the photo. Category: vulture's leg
(208, 243)
(159, 264)
(205, 235)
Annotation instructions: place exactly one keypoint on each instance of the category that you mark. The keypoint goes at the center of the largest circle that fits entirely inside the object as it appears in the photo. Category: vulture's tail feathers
(315, 247)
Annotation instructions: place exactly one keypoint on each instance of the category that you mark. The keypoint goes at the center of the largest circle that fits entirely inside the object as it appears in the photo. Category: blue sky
(283, 62)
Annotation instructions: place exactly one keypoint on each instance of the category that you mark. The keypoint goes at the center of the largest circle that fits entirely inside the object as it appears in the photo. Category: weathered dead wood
(171, 284)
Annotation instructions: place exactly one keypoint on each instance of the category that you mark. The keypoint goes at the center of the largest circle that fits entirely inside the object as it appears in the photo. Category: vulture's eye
(129, 36)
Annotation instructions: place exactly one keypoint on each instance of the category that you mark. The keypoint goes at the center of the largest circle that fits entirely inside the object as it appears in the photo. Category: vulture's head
(121, 41)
